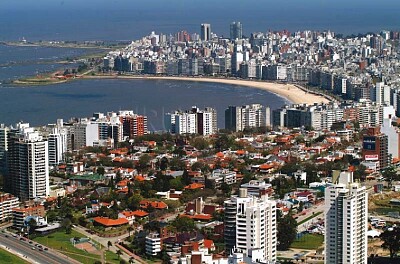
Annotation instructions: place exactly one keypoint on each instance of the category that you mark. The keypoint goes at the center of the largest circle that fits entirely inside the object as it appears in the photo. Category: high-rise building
(27, 164)
(375, 148)
(236, 30)
(57, 144)
(194, 121)
(238, 118)
(205, 32)
(133, 124)
(3, 146)
(84, 134)
(250, 225)
(346, 221)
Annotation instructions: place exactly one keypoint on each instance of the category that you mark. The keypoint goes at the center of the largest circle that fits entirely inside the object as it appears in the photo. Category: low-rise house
(146, 204)
(109, 223)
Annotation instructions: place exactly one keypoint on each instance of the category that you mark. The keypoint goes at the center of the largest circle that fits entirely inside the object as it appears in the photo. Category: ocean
(44, 104)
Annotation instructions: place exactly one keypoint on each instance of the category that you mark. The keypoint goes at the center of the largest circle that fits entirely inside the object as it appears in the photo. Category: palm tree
(129, 230)
(109, 244)
(119, 253)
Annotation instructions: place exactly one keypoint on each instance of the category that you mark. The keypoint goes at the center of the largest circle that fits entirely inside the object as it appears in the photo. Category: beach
(288, 91)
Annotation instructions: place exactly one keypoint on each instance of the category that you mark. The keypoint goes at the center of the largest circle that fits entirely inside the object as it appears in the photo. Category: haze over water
(130, 19)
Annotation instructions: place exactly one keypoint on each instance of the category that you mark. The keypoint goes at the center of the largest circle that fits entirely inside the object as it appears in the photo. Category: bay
(44, 104)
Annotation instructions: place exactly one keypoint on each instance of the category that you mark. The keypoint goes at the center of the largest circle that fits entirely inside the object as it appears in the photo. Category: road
(35, 256)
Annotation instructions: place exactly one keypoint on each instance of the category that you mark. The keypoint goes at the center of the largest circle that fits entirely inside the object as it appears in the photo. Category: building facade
(346, 222)
(27, 162)
(250, 224)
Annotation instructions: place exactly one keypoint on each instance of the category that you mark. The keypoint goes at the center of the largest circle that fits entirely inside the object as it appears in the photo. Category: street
(32, 255)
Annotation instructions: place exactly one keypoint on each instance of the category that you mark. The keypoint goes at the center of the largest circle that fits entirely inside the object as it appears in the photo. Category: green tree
(183, 224)
(130, 228)
(144, 161)
(32, 224)
(164, 163)
(226, 189)
(287, 230)
(119, 253)
(391, 240)
(176, 184)
(100, 170)
(390, 175)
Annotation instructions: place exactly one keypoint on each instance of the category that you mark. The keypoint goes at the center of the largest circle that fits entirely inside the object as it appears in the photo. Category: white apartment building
(194, 121)
(85, 134)
(257, 188)
(58, 143)
(346, 222)
(3, 145)
(7, 203)
(219, 176)
(238, 118)
(28, 165)
(393, 135)
(153, 244)
(250, 226)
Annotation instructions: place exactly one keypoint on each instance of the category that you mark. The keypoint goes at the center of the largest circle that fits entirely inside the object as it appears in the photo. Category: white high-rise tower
(250, 226)
(346, 222)
(27, 160)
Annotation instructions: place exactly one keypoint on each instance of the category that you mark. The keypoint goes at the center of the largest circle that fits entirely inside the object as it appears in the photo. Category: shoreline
(290, 92)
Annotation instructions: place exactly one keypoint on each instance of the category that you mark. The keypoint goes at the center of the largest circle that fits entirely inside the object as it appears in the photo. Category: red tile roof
(140, 213)
(154, 204)
(194, 186)
(105, 221)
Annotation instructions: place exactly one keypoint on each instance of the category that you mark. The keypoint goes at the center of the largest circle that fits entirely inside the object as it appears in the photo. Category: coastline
(290, 92)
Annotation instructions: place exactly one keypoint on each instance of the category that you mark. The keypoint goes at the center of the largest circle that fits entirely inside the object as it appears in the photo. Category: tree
(144, 161)
(129, 230)
(119, 253)
(287, 230)
(109, 244)
(391, 240)
(100, 170)
(226, 189)
(184, 224)
(32, 225)
(390, 174)
(164, 163)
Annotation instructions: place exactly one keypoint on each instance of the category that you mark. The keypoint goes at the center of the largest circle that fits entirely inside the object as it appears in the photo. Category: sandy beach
(288, 91)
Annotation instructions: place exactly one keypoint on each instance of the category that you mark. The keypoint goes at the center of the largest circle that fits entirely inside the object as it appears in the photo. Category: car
(6, 235)
(33, 248)
(40, 246)
(40, 249)
(31, 242)
(46, 249)
(14, 235)
(21, 238)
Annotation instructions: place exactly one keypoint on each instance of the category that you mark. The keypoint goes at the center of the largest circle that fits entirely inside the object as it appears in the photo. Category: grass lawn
(309, 218)
(111, 257)
(61, 241)
(308, 241)
(7, 257)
